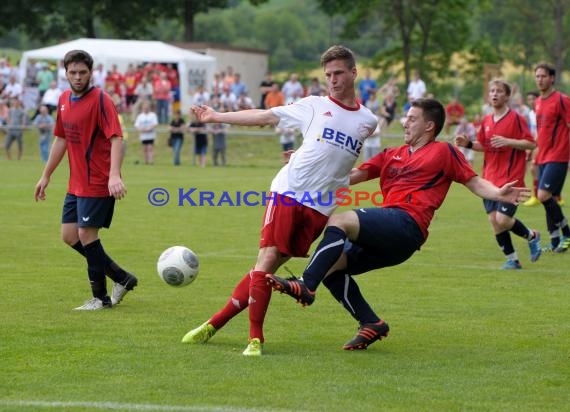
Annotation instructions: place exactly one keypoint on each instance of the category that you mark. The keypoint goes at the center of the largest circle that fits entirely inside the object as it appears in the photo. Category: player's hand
(203, 113)
(40, 189)
(116, 187)
(515, 195)
(461, 140)
(499, 141)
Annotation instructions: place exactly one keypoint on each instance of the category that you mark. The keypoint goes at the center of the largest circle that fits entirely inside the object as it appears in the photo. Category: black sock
(521, 230)
(114, 271)
(95, 256)
(329, 250)
(554, 217)
(346, 291)
(505, 242)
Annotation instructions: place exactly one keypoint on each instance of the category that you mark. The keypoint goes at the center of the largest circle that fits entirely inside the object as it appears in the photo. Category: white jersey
(333, 135)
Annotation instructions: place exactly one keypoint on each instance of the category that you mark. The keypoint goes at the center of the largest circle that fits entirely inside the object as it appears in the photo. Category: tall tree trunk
(89, 26)
(558, 47)
(189, 13)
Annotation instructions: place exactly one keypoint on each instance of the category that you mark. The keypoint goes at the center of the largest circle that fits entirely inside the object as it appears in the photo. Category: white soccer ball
(178, 266)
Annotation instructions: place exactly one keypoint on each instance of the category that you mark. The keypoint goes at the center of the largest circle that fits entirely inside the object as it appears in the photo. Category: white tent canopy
(194, 68)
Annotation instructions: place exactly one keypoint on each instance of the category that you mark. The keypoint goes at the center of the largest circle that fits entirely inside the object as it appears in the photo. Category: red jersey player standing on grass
(504, 137)
(334, 128)
(553, 153)
(88, 129)
(414, 180)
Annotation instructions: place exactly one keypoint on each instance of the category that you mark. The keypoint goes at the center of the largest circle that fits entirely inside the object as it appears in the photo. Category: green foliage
(465, 336)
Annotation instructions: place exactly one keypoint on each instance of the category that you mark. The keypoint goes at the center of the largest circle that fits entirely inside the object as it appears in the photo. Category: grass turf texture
(464, 335)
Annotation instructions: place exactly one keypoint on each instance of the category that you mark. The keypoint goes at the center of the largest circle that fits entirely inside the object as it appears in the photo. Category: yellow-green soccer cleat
(255, 348)
(201, 334)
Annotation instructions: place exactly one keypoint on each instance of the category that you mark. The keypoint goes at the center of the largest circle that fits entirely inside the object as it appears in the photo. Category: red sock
(259, 297)
(237, 303)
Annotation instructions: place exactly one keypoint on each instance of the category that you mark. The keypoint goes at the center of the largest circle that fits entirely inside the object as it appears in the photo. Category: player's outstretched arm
(507, 193)
(58, 149)
(251, 117)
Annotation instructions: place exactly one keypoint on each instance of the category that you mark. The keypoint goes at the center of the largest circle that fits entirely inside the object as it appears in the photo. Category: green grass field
(465, 336)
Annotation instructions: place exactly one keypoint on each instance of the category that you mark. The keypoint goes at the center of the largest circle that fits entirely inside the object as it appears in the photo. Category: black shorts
(551, 177)
(508, 209)
(88, 211)
(387, 237)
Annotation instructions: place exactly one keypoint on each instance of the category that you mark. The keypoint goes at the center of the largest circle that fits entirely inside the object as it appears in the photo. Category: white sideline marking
(124, 406)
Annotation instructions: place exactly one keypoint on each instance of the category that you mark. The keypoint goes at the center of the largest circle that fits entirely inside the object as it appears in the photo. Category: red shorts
(290, 226)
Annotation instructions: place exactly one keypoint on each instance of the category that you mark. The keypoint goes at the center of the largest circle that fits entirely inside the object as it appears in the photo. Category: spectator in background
(228, 77)
(62, 82)
(146, 123)
(372, 103)
(372, 144)
(264, 88)
(99, 77)
(390, 87)
(417, 88)
(467, 129)
(161, 89)
(51, 97)
(275, 97)
(201, 96)
(454, 112)
(144, 93)
(172, 76)
(286, 138)
(45, 123)
(3, 114)
(200, 141)
(315, 88)
(244, 102)
(228, 100)
(366, 86)
(388, 110)
(115, 81)
(15, 127)
(44, 79)
(217, 85)
(131, 82)
(5, 70)
(176, 136)
(238, 87)
(13, 89)
(219, 135)
(292, 89)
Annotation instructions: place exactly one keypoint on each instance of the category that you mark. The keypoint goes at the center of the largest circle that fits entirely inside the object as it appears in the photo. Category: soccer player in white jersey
(303, 194)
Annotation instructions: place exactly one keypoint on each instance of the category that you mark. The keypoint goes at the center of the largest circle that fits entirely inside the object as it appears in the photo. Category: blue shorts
(88, 211)
(504, 208)
(551, 177)
(387, 237)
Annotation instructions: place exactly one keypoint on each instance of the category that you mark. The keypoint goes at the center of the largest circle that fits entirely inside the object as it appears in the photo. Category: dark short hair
(78, 56)
(339, 53)
(433, 111)
(533, 93)
(546, 66)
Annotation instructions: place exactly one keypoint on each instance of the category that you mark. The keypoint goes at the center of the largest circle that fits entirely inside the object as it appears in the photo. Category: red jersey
(504, 164)
(87, 124)
(552, 118)
(417, 182)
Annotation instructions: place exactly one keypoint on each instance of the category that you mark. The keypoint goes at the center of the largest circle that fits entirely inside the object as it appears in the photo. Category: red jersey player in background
(414, 180)
(88, 129)
(553, 140)
(504, 137)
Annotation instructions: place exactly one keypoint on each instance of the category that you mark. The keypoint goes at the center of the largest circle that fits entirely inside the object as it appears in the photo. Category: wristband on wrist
(469, 144)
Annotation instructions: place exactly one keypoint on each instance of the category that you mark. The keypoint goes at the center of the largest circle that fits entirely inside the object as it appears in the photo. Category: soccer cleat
(96, 304)
(367, 334)
(563, 245)
(511, 264)
(534, 246)
(120, 290)
(532, 201)
(254, 348)
(293, 287)
(201, 334)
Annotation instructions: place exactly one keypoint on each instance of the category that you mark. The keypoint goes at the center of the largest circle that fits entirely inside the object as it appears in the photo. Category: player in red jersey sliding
(504, 137)
(414, 179)
(553, 153)
(88, 129)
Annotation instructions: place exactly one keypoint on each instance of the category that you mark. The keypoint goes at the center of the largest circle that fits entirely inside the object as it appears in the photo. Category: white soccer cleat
(119, 291)
(95, 304)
